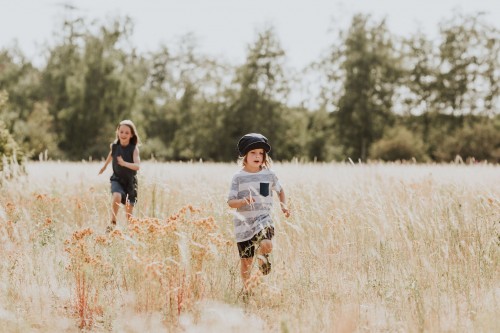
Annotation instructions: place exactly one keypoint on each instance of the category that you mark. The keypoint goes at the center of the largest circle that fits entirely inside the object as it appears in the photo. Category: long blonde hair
(135, 140)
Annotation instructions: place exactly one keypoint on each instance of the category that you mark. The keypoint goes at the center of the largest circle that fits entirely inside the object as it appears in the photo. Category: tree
(36, 134)
(447, 82)
(21, 80)
(10, 154)
(321, 139)
(369, 67)
(182, 102)
(90, 85)
(468, 79)
(257, 100)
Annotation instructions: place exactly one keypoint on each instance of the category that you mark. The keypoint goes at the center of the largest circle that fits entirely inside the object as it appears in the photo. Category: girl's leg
(117, 198)
(128, 210)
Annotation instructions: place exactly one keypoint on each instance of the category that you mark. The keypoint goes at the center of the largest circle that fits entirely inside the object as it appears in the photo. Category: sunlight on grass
(368, 248)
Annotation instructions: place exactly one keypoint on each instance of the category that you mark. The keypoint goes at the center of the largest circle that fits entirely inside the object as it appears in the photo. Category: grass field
(368, 248)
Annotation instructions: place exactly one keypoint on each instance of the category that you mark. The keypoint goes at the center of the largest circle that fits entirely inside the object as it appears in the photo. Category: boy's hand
(248, 200)
(120, 160)
(285, 209)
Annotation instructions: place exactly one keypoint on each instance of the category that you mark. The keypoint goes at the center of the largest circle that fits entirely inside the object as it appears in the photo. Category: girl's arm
(108, 159)
(133, 166)
(238, 203)
(284, 207)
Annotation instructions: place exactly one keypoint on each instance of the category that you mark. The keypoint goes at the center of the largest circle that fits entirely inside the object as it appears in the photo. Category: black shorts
(128, 191)
(247, 248)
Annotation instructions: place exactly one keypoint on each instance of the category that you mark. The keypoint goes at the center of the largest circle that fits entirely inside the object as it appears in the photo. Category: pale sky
(224, 28)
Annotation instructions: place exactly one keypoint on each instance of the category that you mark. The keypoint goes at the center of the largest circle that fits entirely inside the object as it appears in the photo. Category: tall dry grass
(368, 248)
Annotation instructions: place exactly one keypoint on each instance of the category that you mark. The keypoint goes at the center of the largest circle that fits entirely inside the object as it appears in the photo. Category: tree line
(372, 95)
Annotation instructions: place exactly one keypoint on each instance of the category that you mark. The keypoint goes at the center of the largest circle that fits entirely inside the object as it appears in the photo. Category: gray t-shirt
(250, 219)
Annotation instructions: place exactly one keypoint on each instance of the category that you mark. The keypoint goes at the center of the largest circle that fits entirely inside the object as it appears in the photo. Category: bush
(10, 154)
(480, 141)
(36, 135)
(397, 144)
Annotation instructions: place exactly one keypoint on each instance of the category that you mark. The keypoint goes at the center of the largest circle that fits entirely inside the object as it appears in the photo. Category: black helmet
(253, 141)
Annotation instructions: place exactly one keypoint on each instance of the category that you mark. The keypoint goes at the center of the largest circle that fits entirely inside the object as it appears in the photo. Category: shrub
(11, 155)
(398, 144)
(480, 141)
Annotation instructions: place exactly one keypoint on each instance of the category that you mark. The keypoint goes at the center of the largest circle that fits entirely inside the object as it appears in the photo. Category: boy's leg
(265, 241)
(246, 250)
(265, 247)
(246, 269)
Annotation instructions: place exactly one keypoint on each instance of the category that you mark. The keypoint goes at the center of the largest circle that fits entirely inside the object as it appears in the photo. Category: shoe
(111, 227)
(265, 264)
(245, 295)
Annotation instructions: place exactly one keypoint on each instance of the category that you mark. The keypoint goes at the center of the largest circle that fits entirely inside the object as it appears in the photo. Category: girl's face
(124, 133)
(255, 158)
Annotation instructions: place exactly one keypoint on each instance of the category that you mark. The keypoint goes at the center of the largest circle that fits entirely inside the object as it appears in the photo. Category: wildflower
(77, 235)
(40, 196)
(103, 240)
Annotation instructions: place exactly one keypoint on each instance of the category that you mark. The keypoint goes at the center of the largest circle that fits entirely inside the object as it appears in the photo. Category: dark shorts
(128, 192)
(247, 248)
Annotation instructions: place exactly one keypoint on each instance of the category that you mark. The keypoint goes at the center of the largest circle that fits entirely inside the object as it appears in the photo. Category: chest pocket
(264, 189)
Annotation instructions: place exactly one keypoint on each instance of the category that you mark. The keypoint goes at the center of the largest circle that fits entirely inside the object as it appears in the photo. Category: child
(124, 153)
(251, 194)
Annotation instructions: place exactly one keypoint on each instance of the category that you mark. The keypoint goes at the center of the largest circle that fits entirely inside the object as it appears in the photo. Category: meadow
(368, 248)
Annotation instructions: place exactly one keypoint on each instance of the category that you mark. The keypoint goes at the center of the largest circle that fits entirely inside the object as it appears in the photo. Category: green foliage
(294, 140)
(456, 75)
(22, 82)
(480, 141)
(468, 57)
(380, 97)
(157, 110)
(91, 85)
(397, 144)
(37, 135)
(321, 138)
(181, 110)
(369, 69)
(257, 101)
(10, 154)
(419, 78)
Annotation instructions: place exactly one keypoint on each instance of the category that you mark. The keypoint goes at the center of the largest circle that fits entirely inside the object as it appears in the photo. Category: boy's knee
(266, 245)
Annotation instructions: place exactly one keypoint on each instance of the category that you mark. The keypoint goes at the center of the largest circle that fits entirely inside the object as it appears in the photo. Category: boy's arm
(238, 203)
(284, 207)
(234, 202)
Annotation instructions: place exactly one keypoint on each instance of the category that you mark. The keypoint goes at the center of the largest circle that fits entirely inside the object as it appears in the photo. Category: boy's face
(255, 157)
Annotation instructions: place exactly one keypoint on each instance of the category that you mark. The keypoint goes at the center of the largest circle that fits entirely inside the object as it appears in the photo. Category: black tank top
(127, 153)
